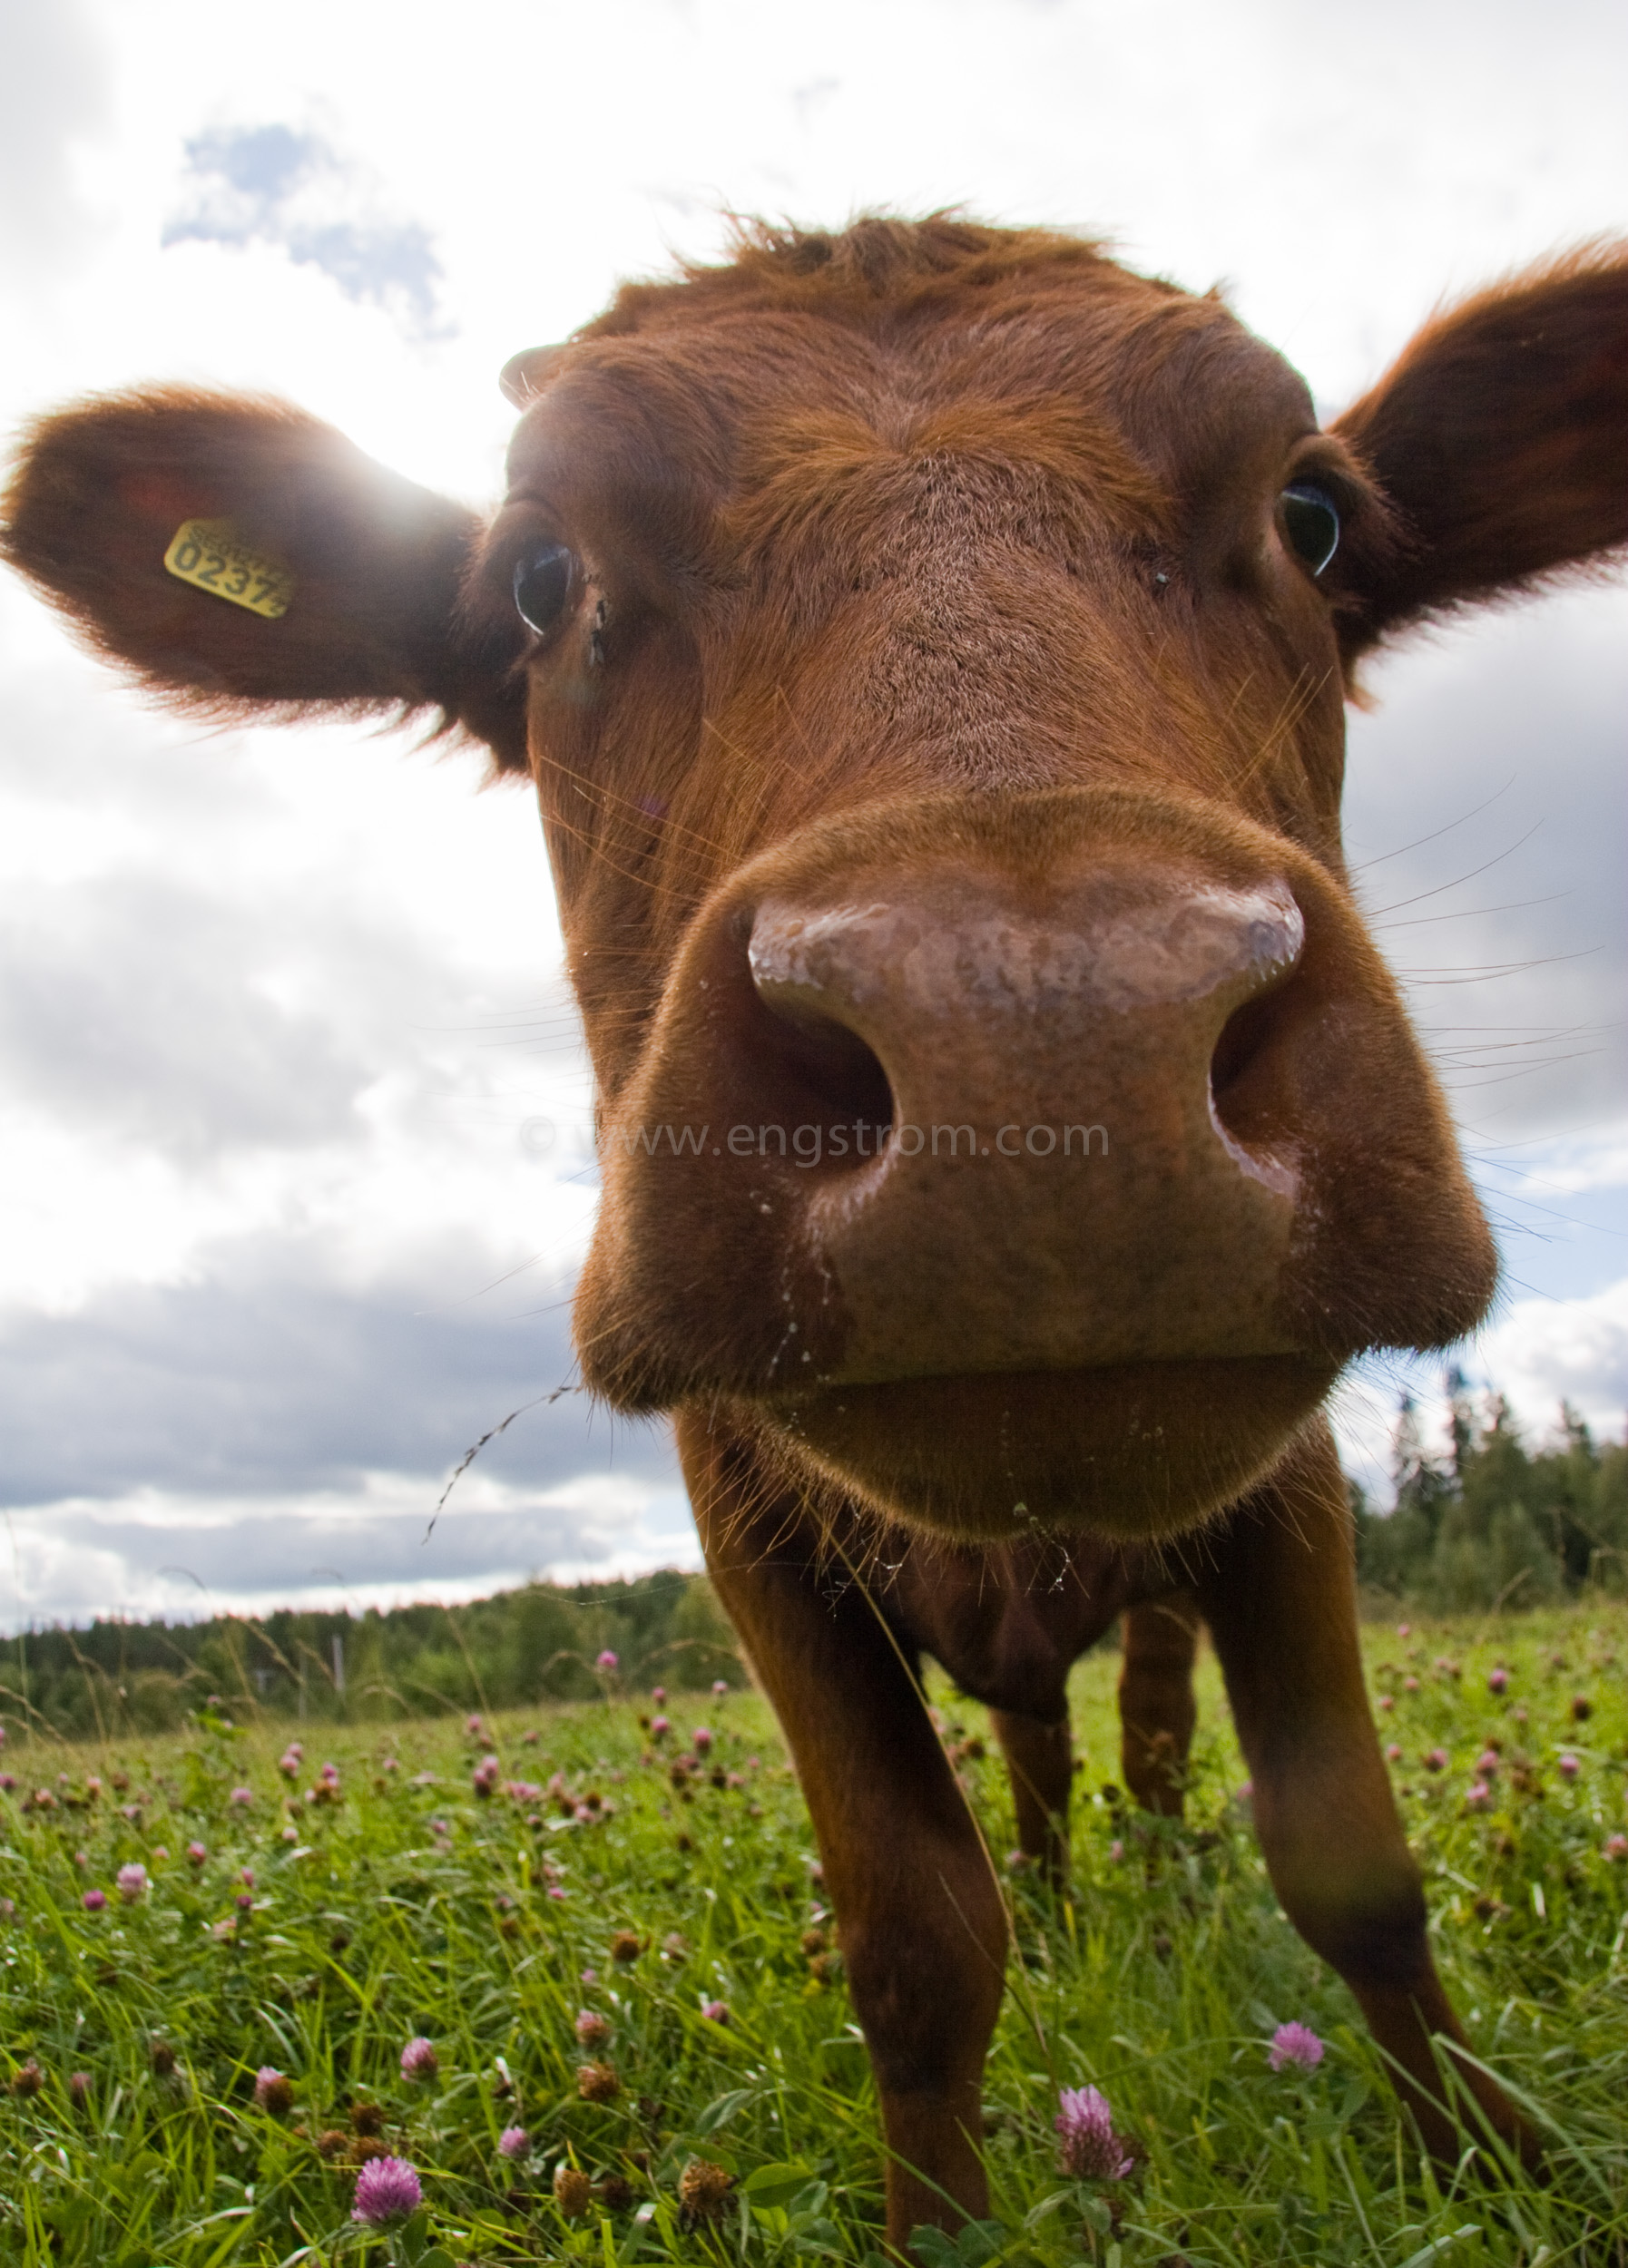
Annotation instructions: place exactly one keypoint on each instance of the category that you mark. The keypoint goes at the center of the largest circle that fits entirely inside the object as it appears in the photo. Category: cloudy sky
(293, 1181)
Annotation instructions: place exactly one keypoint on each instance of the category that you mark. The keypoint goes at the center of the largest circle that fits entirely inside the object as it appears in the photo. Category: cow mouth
(1136, 1450)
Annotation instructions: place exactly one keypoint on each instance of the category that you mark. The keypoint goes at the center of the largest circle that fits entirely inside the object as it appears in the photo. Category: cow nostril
(823, 1072)
(1242, 1036)
(1245, 1072)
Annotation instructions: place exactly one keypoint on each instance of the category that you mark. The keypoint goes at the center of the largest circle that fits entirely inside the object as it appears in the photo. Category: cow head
(929, 644)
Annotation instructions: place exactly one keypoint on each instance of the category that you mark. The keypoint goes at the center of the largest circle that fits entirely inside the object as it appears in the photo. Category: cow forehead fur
(913, 506)
(772, 391)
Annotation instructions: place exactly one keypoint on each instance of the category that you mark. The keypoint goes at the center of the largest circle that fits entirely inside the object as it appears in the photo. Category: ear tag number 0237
(213, 556)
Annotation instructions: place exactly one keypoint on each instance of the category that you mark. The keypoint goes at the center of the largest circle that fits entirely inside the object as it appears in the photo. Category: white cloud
(154, 1552)
(53, 95)
(1544, 1352)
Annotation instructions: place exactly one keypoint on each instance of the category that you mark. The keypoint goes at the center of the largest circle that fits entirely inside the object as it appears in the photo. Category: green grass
(1159, 1980)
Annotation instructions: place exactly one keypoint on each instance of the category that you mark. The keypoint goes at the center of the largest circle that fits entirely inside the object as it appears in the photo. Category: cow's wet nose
(1054, 1100)
(938, 1009)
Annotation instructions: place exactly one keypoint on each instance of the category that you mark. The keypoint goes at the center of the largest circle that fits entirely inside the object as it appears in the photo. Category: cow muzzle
(996, 1129)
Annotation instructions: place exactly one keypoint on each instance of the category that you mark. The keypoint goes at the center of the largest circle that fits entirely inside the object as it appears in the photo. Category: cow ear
(1501, 440)
(241, 556)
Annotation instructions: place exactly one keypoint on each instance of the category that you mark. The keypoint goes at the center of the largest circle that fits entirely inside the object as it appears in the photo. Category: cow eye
(1311, 522)
(542, 577)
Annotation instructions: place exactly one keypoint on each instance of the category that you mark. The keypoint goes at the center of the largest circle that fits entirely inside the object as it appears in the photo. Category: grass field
(317, 1934)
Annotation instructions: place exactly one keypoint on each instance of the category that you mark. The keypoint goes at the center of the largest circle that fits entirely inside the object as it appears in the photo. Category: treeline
(1491, 1522)
(539, 1643)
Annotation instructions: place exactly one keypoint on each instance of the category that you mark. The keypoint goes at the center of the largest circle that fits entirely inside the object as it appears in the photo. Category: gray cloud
(266, 1375)
(1484, 817)
(270, 185)
(133, 1002)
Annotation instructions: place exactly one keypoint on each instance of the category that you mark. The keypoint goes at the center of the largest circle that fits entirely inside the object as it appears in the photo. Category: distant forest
(1489, 1523)
(539, 1643)
(1493, 1522)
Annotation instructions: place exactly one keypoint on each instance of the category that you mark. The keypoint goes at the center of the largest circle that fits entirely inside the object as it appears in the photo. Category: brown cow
(929, 644)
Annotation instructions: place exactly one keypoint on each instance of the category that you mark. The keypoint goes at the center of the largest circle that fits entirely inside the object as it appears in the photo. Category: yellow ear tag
(213, 556)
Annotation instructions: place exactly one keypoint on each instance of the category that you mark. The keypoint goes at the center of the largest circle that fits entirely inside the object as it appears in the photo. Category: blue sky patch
(273, 185)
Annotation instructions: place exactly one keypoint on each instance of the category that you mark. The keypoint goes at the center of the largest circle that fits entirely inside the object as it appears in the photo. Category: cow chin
(1137, 1451)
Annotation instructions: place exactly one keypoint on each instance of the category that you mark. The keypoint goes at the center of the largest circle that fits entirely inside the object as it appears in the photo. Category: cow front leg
(1280, 1596)
(1156, 1709)
(920, 1918)
(1040, 1761)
